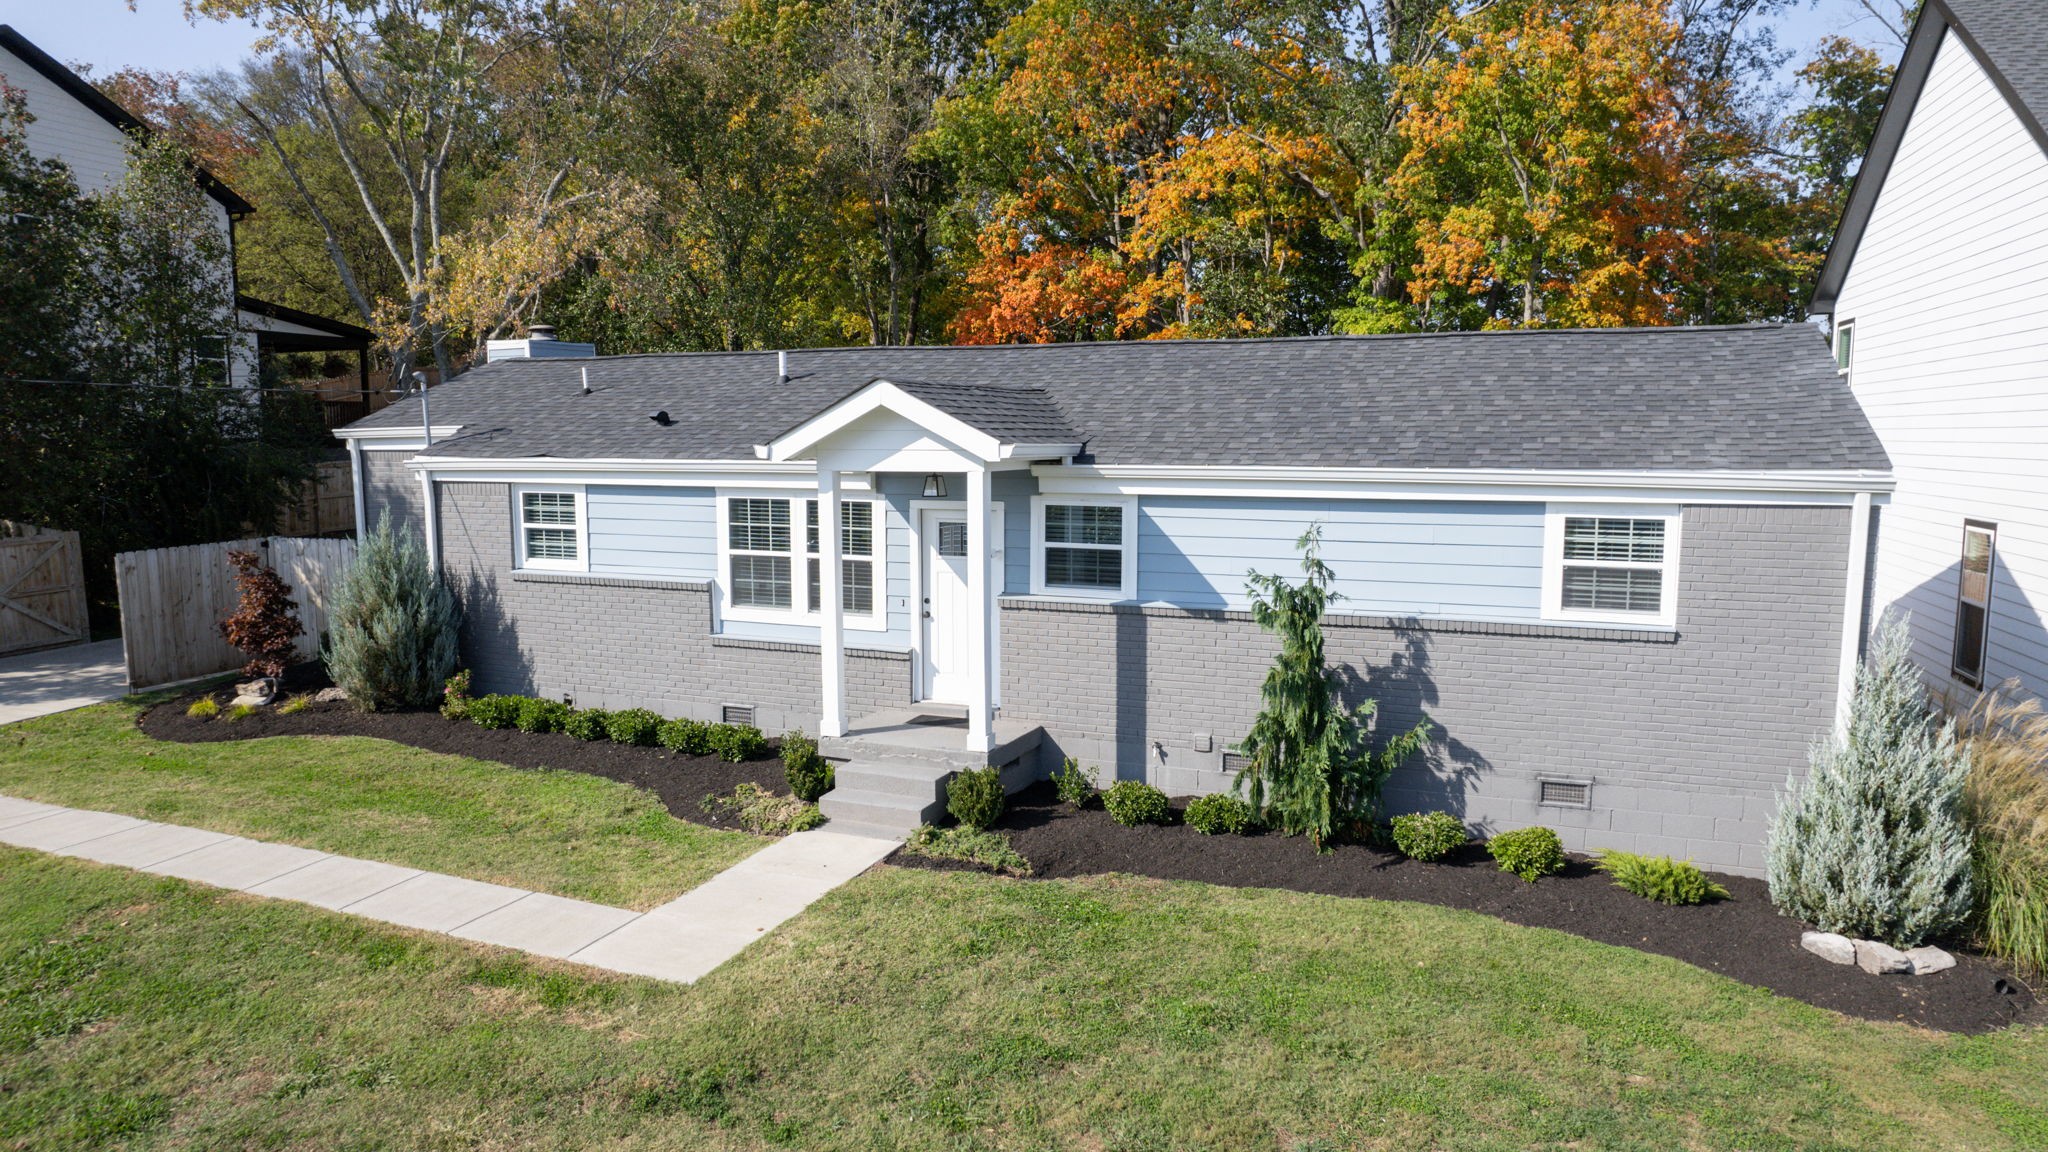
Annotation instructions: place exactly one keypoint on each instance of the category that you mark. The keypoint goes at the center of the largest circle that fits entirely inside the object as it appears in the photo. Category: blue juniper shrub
(975, 797)
(1219, 813)
(586, 724)
(1134, 802)
(1428, 836)
(1528, 852)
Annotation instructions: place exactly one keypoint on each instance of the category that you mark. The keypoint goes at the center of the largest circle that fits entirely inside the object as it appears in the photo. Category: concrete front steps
(891, 770)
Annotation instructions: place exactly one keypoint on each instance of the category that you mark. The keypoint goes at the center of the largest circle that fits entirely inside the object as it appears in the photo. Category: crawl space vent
(737, 714)
(1565, 793)
(1236, 761)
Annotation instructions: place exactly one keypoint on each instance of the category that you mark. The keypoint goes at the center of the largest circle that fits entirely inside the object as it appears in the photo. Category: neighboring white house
(1937, 288)
(76, 123)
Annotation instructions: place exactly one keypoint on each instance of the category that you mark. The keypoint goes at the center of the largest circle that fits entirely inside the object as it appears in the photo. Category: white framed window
(1611, 565)
(550, 524)
(1084, 547)
(768, 560)
(1845, 347)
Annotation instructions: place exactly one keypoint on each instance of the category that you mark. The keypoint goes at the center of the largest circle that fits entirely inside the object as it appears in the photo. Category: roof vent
(540, 331)
(539, 344)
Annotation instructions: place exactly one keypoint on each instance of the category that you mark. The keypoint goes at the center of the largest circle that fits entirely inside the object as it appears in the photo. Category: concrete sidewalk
(60, 679)
(679, 941)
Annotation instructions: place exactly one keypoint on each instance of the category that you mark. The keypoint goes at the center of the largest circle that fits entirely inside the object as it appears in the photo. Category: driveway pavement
(59, 679)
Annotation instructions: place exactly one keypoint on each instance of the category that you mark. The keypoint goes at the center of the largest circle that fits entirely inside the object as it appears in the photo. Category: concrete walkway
(59, 679)
(679, 941)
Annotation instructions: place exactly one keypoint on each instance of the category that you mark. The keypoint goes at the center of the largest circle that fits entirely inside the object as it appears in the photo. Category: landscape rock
(330, 696)
(1830, 946)
(1928, 958)
(257, 692)
(1881, 959)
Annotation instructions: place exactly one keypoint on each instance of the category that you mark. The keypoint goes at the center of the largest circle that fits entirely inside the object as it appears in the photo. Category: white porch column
(980, 734)
(831, 606)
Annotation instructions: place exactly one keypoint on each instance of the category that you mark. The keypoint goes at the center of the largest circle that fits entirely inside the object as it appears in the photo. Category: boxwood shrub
(736, 743)
(1660, 878)
(1429, 836)
(494, 711)
(1074, 787)
(1528, 852)
(1134, 802)
(808, 773)
(536, 715)
(1219, 813)
(975, 797)
(583, 724)
(632, 726)
(688, 737)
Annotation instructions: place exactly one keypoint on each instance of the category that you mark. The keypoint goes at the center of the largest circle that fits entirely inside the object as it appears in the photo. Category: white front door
(948, 676)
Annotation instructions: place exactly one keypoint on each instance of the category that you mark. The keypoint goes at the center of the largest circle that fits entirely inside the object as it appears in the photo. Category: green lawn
(922, 1010)
(559, 832)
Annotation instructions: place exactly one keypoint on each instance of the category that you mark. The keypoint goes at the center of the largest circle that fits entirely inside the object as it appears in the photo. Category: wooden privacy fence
(327, 504)
(173, 600)
(42, 588)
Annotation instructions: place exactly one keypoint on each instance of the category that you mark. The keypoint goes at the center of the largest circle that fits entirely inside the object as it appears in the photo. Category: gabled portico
(928, 430)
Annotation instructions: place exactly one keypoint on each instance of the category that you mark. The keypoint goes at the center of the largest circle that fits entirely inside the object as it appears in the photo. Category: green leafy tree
(395, 627)
(1872, 843)
(1312, 769)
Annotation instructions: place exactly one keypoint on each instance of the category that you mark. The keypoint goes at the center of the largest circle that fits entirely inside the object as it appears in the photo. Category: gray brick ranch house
(1624, 572)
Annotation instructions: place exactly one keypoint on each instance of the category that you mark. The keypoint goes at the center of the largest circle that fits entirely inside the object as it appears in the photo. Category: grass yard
(922, 1010)
(562, 832)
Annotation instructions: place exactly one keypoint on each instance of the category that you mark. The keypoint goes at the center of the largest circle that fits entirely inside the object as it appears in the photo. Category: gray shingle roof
(2013, 35)
(1746, 397)
(1011, 415)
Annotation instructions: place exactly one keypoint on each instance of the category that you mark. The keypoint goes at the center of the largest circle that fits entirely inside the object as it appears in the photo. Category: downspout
(355, 468)
(1853, 622)
(431, 524)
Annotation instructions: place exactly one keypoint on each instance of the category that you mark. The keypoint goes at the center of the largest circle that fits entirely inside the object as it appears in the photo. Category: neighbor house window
(1845, 346)
(1619, 567)
(1973, 602)
(551, 529)
(1084, 547)
(761, 554)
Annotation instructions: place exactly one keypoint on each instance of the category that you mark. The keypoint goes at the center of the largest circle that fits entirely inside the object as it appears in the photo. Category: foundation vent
(736, 714)
(1565, 793)
(1236, 761)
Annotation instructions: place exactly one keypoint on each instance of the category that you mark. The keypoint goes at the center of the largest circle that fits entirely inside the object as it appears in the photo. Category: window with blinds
(1973, 602)
(761, 555)
(1613, 564)
(550, 529)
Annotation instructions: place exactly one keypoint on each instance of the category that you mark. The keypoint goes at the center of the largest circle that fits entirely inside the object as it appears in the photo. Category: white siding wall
(1951, 363)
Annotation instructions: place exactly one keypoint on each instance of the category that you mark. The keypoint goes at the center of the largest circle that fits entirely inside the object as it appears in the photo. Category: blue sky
(105, 34)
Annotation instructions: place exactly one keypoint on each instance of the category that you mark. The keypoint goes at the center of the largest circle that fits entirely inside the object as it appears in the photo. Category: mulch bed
(1741, 937)
(681, 782)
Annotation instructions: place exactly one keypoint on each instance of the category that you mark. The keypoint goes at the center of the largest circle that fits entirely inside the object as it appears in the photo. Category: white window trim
(1127, 590)
(799, 562)
(1843, 327)
(519, 557)
(1554, 516)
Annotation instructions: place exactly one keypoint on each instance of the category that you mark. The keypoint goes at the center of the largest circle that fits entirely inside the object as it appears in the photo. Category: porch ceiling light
(934, 486)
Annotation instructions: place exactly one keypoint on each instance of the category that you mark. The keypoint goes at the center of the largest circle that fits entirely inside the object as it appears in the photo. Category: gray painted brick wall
(1686, 737)
(388, 485)
(616, 642)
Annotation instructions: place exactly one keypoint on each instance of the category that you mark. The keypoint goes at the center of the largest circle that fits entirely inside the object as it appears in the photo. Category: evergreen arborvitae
(1871, 844)
(1311, 769)
(394, 625)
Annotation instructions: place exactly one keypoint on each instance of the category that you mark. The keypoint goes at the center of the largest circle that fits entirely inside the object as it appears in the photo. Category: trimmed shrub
(632, 726)
(392, 633)
(736, 743)
(1660, 878)
(494, 711)
(1528, 852)
(1134, 802)
(265, 625)
(583, 724)
(535, 715)
(808, 773)
(1871, 843)
(990, 850)
(763, 812)
(686, 737)
(1073, 785)
(455, 696)
(1429, 836)
(975, 796)
(204, 708)
(1219, 813)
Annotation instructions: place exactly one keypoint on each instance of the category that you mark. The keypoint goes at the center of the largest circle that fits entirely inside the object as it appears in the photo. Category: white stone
(330, 696)
(257, 692)
(1881, 959)
(1830, 946)
(1927, 958)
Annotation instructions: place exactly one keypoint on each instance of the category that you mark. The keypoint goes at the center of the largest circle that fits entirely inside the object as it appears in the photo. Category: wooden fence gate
(42, 588)
(173, 600)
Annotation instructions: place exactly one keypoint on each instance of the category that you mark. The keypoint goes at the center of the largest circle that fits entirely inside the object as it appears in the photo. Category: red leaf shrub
(267, 622)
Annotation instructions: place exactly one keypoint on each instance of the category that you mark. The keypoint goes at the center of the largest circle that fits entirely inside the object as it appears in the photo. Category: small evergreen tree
(1312, 768)
(1871, 843)
(395, 624)
(266, 623)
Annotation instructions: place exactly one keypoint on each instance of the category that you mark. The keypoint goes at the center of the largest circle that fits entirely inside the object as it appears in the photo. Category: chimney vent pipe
(782, 367)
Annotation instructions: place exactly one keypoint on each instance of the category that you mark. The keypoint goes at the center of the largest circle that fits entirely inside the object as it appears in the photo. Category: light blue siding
(653, 531)
(1423, 558)
(1014, 491)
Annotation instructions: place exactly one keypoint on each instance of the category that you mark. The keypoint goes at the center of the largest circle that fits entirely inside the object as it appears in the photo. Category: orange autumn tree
(1545, 165)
